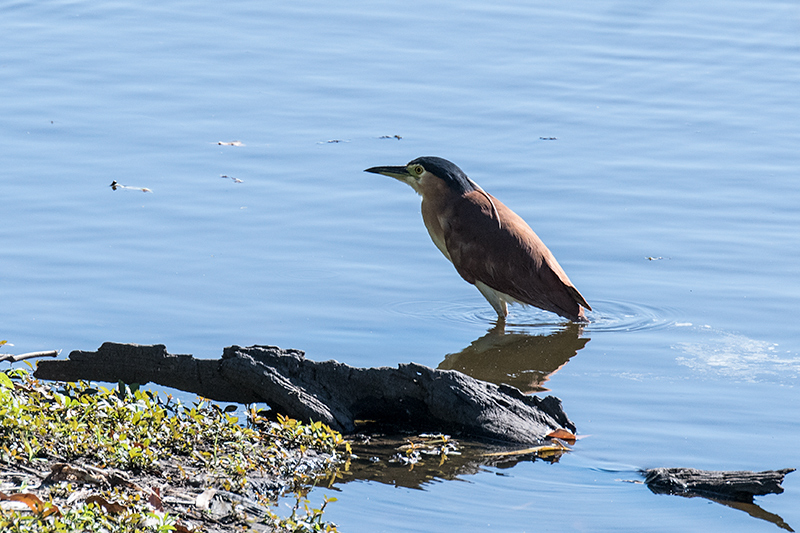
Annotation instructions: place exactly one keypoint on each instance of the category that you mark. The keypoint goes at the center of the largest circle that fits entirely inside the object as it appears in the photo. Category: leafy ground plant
(80, 457)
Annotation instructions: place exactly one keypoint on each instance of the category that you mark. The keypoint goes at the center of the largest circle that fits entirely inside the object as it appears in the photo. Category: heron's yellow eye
(418, 170)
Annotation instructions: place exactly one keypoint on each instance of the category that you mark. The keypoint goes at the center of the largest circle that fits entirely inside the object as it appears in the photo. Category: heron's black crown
(453, 176)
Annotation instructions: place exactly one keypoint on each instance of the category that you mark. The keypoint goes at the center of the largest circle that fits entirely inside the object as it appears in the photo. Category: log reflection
(385, 459)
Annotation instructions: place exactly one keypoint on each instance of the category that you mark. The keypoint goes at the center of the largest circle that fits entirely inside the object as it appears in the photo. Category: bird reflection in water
(519, 359)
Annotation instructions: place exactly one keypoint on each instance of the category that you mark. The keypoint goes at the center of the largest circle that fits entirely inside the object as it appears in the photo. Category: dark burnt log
(411, 396)
(736, 486)
(135, 363)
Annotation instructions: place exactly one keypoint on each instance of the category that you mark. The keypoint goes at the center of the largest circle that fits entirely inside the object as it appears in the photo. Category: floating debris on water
(115, 186)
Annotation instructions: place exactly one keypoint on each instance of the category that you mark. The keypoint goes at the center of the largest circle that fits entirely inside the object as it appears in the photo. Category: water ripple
(613, 315)
(608, 315)
(451, 311)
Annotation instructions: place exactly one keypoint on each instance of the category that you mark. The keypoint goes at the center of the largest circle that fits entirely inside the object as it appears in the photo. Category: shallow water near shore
(654, 149)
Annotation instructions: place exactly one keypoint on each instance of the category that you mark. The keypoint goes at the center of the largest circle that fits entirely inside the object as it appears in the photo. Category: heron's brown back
(508, 257)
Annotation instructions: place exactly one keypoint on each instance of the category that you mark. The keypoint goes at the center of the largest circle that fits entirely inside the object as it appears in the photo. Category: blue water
(619, 131)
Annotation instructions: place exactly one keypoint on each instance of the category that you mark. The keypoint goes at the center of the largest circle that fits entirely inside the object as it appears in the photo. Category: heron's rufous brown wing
(508, 257)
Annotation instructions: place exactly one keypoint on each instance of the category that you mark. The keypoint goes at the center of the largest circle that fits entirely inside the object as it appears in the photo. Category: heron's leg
(495, 298)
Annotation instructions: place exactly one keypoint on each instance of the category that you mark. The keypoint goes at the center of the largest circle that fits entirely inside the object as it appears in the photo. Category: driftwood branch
(733, 489)
(413, 396)
(12, 358)
(738, 486)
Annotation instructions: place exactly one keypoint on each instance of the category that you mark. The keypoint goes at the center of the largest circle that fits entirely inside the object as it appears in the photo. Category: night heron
(490, 245)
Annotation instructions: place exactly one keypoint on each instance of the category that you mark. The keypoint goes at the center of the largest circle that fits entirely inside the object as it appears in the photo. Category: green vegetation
(87, 434)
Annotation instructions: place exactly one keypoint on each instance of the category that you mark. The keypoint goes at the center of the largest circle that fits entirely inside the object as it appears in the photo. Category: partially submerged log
(412, 396)
(738, 486)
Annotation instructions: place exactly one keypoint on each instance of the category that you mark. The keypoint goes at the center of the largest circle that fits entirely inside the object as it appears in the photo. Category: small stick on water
(11, 358)
(115, 186)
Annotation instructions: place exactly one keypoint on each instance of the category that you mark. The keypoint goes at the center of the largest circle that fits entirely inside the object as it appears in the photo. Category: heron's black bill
(393, 172)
